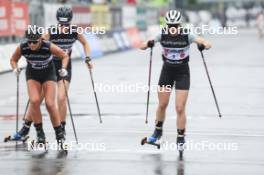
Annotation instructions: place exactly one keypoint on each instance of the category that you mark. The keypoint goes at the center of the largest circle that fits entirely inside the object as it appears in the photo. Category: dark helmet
(33, 33)
(64, 15)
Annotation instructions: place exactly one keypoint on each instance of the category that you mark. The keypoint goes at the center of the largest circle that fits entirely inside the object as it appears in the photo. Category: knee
(180, 109)
(35, 102)
(62, 99)
(163, 106)
(50, 104)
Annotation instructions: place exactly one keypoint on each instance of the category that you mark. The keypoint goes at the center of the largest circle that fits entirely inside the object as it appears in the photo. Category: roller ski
(180, 145)
(16, 138)
(21, 136)
(154, 140)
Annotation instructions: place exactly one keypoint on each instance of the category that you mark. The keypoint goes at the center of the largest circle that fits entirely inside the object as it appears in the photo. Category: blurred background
(127, 22)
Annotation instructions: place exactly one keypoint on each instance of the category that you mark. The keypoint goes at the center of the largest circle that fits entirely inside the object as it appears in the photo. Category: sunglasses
(32, 41)
(65, 24)
(173, 25)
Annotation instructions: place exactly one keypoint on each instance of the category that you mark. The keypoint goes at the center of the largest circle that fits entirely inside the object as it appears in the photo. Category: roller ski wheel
(7, 138)
(16, 138)
(62, 151)
(62, 154)
(146, 140)
(180, 145)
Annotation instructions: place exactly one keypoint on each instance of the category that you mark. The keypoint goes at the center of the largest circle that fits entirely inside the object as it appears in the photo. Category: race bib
(176, 54)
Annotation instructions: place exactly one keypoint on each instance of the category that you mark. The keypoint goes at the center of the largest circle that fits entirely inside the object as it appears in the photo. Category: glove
(17, 71)
(87, 59)
(151, 43)
(88, 62)
(200, 47)
(63, 72)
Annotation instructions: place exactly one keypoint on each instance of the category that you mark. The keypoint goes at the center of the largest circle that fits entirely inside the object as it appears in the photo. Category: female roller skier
(175, 72)
(41, 76)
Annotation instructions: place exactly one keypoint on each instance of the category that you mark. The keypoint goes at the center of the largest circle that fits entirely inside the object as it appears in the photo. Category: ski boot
(154, 139)
(41, 140)
(60, 137)
(40, 144)
(22, 135)
(63, 125)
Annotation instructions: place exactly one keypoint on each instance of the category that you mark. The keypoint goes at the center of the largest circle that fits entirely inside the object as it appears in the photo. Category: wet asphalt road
(236, 68)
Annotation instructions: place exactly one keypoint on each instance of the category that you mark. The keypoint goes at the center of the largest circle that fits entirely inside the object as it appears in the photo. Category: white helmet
(173, 17)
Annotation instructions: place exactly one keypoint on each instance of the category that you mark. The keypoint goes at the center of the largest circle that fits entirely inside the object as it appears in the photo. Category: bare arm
(87, 49)
(15, 58)
(200, 40)
(55, 50)
(85, 44)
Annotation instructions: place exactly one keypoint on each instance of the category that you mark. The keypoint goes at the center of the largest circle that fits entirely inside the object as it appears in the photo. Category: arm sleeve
(191, 38)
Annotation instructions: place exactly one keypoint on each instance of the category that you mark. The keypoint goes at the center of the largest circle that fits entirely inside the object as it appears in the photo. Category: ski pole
(24, 116)
(201, 48)
(17, 103)
(149, 80)
(69, 106)
(95, 95)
